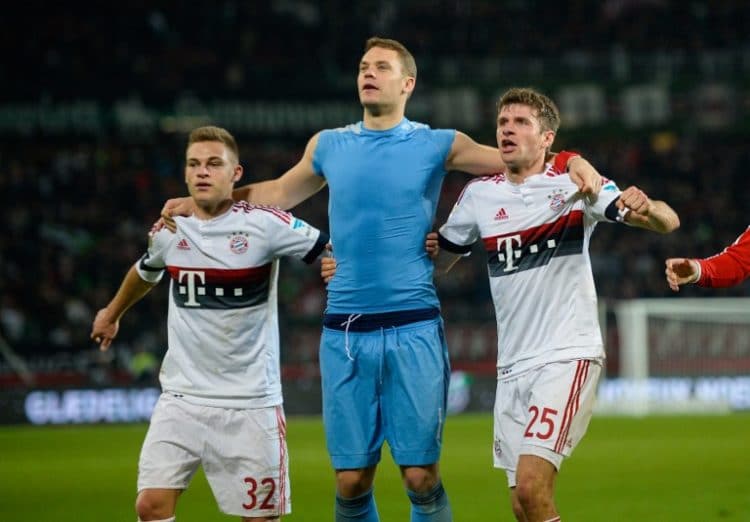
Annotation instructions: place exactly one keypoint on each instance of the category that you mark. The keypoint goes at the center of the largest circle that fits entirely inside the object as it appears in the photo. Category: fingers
(102, 340)
(584, 175)
(431, 244)
(635, 199)
(327, 269)
(680, 271)
(671, 276)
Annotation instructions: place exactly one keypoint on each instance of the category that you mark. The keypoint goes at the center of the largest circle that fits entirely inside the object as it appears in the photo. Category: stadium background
(97, 100)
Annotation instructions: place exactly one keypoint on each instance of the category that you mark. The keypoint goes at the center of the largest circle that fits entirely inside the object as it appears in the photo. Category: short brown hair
(211, 133)
(546, 110)
(407, 60)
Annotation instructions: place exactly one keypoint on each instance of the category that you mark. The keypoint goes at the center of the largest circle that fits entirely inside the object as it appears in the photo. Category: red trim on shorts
(582, 371)
(281, 422)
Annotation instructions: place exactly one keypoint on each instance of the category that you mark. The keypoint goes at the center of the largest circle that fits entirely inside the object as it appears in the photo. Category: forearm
(730, 267)
(660, 218)
(132, 289)
(285, 192)
(261, 193)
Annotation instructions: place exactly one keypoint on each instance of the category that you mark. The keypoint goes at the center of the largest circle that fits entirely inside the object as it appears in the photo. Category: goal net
(680, 355)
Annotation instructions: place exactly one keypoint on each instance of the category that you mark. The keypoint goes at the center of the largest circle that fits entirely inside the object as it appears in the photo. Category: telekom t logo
(189, 277)
(506, 252)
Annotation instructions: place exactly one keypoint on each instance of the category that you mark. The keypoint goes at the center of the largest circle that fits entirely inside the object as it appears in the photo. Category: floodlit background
(95, 108)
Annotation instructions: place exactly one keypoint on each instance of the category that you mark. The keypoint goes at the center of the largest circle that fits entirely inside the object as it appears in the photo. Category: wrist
(696, 271)
(565, 159)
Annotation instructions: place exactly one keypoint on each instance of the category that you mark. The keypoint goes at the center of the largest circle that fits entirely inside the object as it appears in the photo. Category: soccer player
(383, 358)
(535, 227)
(221, 401)
(729, 268)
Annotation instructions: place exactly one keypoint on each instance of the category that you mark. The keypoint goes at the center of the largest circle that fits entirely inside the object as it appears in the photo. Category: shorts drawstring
(346, 324)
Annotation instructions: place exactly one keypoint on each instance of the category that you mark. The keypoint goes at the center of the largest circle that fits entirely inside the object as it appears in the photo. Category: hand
(175, 207)
(104, 329)
(327, 265)
(635, 202)
(431, 245)
(680, 271)
(584, 175)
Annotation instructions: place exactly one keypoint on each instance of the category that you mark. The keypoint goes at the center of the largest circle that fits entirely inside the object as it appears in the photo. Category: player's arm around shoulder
(291, 188)
(644, 212)
(469, 156)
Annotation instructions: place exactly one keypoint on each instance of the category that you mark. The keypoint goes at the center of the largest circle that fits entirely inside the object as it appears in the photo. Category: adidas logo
(183, 244)
(501, 214)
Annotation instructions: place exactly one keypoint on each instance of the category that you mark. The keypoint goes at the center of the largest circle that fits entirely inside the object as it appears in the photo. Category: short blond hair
(212, 133)
(407, 60)
(546, 110)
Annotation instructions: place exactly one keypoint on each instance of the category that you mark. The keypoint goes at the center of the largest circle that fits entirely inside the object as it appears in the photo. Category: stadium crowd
(232, 47)
(76, 208)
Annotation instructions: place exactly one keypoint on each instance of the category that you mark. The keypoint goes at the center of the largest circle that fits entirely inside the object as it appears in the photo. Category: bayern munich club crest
(556, 200)
(238, 243)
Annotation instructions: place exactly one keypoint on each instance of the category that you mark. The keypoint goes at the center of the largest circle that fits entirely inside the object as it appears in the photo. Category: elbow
(673, 224)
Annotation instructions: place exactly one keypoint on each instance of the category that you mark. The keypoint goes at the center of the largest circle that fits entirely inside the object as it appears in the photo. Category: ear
(409, 83)
(548, 138)
(237, 173)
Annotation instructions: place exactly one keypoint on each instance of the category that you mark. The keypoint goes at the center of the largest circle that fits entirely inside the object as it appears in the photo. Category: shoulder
(328, 138)
(263, 212)
(552, 176)
(423, 128)
(480, 184)
(160, 240)
(353, 129)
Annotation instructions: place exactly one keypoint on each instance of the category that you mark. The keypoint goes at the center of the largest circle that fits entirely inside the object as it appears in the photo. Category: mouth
(202, 186)
(369, 87)
(507, 146)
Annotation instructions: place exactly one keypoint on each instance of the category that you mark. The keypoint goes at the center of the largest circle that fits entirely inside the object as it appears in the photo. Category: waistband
(370, 322)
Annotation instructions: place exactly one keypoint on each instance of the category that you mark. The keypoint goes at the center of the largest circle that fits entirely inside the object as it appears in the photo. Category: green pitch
(656, 469)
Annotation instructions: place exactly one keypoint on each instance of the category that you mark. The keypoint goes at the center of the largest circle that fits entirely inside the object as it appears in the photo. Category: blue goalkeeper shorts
(391, 384)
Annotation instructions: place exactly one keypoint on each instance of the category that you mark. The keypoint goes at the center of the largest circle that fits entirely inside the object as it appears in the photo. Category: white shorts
(544, 412)
(243, 453)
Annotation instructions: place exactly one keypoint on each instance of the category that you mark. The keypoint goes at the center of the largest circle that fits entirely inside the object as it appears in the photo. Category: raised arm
(107, 320)
(643, 212)
(291, 188)
(287, 191)
(469, 156)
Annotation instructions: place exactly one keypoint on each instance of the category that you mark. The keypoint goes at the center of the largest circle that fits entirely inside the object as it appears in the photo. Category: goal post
(680, 355)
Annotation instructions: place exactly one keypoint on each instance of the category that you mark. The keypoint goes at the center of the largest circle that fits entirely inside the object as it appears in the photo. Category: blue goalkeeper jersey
(383, 191)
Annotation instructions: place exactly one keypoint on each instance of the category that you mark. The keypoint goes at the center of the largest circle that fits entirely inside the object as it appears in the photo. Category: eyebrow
(378, 62)
(210, 158)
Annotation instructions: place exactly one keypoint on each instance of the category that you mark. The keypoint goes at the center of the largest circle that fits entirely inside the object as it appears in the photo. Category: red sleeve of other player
(730, 267)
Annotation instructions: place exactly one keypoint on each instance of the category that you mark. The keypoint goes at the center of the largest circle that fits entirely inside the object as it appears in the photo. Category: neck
(211, 209)
(381, 118)
(519, 173)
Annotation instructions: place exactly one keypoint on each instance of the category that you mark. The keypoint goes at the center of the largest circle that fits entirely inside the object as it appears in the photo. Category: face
(520, 138)
(381, 80)
(210, 172)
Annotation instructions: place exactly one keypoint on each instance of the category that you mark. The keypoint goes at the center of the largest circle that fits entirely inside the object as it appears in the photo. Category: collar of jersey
(402, 126)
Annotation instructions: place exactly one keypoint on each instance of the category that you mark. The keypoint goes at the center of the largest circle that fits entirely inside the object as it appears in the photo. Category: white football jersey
(223, 332)
(536, 235)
